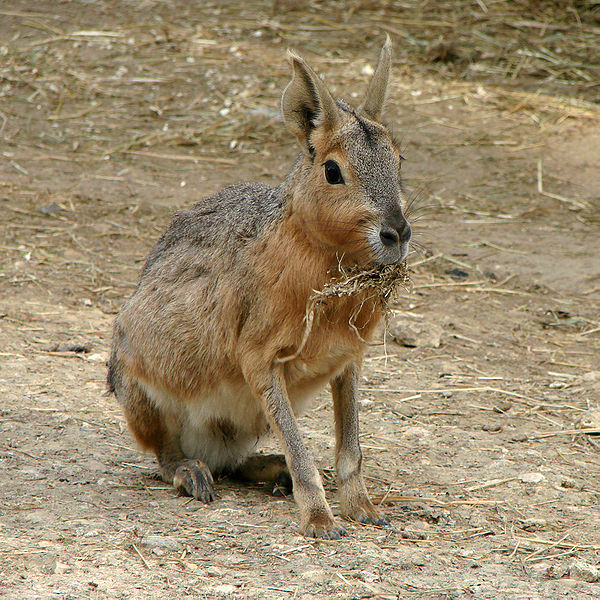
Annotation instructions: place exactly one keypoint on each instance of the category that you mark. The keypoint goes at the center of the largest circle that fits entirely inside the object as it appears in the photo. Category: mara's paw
(364, 511)
(193, 478)
(323, 527)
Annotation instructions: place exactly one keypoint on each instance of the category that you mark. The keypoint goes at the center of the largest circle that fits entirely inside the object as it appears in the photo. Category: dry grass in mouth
(378, 282)
(381, 280)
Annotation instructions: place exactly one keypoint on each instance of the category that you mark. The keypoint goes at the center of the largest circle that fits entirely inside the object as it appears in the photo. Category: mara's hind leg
(159, 431)
(266, 468)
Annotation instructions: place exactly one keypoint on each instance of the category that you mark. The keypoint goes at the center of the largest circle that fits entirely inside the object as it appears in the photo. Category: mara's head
(347, 191)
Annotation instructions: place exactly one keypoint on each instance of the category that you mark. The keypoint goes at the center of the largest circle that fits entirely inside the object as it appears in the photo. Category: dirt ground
(479, 438)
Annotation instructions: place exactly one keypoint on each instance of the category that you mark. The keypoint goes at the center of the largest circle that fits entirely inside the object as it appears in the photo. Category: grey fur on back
(223, 222)
(204, 242)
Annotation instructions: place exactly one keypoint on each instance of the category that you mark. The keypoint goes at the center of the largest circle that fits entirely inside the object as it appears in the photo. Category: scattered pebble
(416, 432)
(367, 70)
(533, 524)
(531, 477)
(558, 385)
(92, 533)
(590, 419)
(413, 335)
(591, 377)
(572, 484)
(316, 576)
(583, 571)
(50, 209)
(368, 576)
(225, 589)
(61, 568)
(491, 427)
(575, 569)
(161, 541)
(413, 535)
(458, 274)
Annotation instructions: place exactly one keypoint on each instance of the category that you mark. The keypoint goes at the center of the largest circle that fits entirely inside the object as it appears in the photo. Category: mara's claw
(193, 478)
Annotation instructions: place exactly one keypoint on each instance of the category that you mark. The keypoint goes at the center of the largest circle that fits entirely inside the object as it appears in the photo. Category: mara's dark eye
(333, 173)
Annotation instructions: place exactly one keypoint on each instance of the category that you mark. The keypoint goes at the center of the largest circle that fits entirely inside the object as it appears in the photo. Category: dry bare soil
(479, 440)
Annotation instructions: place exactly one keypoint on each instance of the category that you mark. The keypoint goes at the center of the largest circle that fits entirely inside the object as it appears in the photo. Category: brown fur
(209, 352)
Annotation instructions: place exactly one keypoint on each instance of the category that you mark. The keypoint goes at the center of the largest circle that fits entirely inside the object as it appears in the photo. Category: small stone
(583, 571)
(225, 589)
(417, 432)
(368, 577)
(60, 568)
(531, 477)
(557, 571)
(91, 533)
(502, 407)
(214, 572)
(590, 419)
(458, 274)
(31, 474)
(572, 484)
(591, 377)
(50, 209)
(491, 427)
(316, 576)
(519, 437)
(541, 570)
(533, 524)
(161, 542)
(414, 535)
(406, 413)
(367, 70)
(412, 335)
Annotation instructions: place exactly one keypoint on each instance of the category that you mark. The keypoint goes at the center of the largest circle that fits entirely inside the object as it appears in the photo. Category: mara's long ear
(377, 91)
(306, 102)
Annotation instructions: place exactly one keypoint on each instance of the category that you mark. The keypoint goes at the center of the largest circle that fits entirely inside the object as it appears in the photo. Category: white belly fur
(234, 405)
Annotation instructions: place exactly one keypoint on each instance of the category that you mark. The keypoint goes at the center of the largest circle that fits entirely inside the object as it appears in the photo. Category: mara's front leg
(354, 500)
(316, 518)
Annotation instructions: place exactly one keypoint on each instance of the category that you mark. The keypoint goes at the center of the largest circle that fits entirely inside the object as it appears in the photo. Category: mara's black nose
(390, 236)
